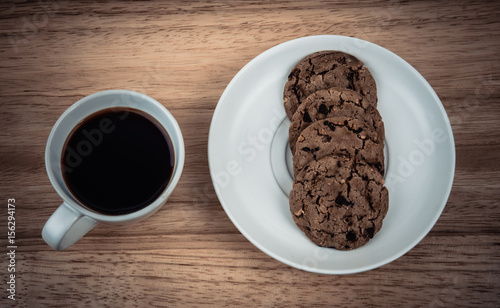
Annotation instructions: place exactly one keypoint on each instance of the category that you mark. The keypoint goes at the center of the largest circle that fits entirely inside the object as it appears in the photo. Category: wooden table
(184, 54)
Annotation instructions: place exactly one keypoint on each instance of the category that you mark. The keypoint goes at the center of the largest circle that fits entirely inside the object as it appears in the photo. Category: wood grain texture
(184, 53)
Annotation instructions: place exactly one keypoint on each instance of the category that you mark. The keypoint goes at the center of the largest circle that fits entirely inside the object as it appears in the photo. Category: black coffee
(117, 161)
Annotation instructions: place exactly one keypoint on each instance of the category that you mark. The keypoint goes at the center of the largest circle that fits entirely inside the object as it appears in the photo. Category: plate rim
(430, 223)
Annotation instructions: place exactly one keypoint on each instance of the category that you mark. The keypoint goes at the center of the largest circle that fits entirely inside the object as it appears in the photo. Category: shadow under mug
(72, 220)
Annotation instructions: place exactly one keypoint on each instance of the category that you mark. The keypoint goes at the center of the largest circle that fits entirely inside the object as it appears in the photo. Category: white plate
(248, 156)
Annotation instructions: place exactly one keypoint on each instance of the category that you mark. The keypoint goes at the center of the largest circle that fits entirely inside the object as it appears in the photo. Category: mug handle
(65, 227)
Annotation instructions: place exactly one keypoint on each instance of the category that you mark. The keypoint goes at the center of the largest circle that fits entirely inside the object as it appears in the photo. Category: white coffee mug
(72, 220)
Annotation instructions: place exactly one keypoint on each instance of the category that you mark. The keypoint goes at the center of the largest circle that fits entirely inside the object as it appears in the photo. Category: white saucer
(250, 162)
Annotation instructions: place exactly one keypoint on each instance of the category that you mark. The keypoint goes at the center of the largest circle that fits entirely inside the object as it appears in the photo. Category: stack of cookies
(337, 138)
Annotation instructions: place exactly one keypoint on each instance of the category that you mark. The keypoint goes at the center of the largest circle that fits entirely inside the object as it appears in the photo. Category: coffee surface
(117, 161)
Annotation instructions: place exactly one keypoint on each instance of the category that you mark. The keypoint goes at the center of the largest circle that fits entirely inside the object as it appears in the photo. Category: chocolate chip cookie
(327, 69)
(343, 136)
(329, 103)
(339, 202)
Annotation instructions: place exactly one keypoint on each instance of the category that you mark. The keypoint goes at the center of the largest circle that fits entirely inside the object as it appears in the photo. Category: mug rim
(179, 154)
